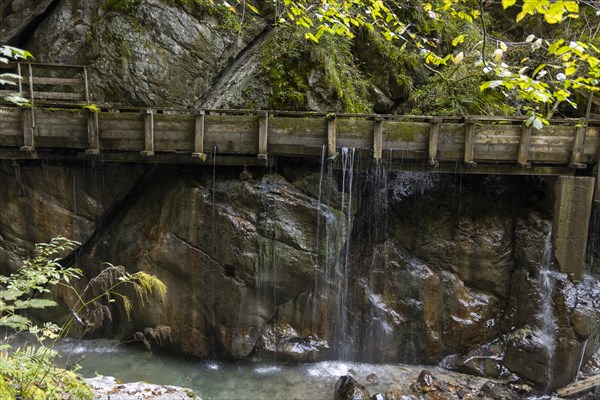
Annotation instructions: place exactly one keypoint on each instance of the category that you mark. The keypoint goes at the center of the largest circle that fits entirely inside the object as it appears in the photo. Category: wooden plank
(469, 141)
(199, 136)
(331, 137)
(578, 144)
(41, 80)
(148, 133)
(57, 96)
(353, 133)
(231, 135)
(525, 142)
(28, 128)
(86, 86)
(93, 133)
(377, 138)
(580, 386)
(434, 132)
(263, 130)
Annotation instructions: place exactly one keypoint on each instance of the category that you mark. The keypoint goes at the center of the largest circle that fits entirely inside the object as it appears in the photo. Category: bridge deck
(248, 137)
(56, 126)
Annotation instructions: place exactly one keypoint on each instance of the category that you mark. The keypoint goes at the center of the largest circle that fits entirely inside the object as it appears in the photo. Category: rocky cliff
(301, 262)
(371, 265)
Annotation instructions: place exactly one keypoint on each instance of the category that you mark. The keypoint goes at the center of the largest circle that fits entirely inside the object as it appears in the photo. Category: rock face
(413, 269)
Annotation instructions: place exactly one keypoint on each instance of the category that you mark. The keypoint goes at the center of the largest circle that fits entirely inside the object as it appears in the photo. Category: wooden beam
(85, 86)
(263, 130)
(524, 147)
(377, 138)
(331, 136)
(20, 81)
(148, 133)
(580, 386)
(434, 132)
(578, 145)
(28, 128)
(470, 141)
(93, 133)
(199, 127)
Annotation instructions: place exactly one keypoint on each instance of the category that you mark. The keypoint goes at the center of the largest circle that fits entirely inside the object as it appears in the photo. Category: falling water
(546, 315)
(343, 338)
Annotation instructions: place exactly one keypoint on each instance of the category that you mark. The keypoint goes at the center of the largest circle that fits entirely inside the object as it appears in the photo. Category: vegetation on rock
(28, 371)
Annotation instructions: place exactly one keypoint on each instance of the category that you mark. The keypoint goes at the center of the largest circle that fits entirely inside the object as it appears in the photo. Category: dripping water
(213, 243)
(546, 314)
(343, 339)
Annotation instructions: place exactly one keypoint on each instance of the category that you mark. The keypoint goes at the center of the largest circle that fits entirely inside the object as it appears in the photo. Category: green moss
(297, 67)
(403, 130)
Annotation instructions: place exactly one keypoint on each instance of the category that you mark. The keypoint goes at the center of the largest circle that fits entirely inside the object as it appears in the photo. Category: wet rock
(286, 343)
(372, 378)
(485, 360)
(497, 391)
(399, 393)
(377, 396)
(347, 388)
(584, 320)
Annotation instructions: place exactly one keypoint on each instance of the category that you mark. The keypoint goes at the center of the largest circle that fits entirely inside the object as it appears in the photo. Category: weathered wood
(42, 80)
(31, 99)
(377, 138)
(93, 133)
(580, 386)
(28, 128)
(20, 81)
(86, 87)
(470, 141)
(199, 136)
(331, 137)
(55, 95)
(578, 146)
(525, 142)
(263, 129)
(434, 132)
(148, 133)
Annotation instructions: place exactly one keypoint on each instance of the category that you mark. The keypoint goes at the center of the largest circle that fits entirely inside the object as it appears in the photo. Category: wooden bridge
(57, 125)
(60, 123)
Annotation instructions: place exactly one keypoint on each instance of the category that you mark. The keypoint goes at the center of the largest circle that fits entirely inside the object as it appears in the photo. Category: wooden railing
(184, 136)
(56, 125)
(48, 83)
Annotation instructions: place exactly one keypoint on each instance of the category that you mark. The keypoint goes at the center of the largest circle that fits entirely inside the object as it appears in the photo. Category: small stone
(425, 378)
(377, 396)
(372, 378)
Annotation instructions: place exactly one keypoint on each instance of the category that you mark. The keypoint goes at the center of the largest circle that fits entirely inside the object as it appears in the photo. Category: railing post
(263, 129)
(377, 138)
(199, 136)
(524, 143)
(86, 88)
(331, 136)
(20, 81)
(470, 141)
(93, 133)
(578, 145)
(28, 129)
(148, 133)
(434, 132)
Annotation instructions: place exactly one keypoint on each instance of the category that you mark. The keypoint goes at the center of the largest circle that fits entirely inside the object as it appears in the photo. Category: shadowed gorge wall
(314, 264)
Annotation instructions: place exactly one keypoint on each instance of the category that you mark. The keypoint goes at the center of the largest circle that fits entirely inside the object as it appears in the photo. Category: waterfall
(546, 314)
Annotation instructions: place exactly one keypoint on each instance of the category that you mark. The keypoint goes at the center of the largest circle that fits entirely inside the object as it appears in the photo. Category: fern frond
(145, 284)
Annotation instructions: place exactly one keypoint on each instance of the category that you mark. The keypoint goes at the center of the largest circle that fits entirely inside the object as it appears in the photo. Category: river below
(245, 379)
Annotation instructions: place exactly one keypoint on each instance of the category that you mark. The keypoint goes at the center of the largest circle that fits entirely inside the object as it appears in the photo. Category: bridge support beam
(377, 138)
(572, 210)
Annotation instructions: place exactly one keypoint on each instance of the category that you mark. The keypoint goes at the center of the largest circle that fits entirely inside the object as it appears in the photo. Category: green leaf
(508, 3)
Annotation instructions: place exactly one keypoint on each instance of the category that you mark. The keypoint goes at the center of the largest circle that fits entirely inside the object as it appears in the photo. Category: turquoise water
(247, 379)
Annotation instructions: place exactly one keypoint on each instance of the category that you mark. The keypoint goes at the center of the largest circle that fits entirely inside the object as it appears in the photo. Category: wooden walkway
(57, 126)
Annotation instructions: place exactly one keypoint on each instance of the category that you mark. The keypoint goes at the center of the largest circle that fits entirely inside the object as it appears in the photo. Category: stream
(245, 379)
